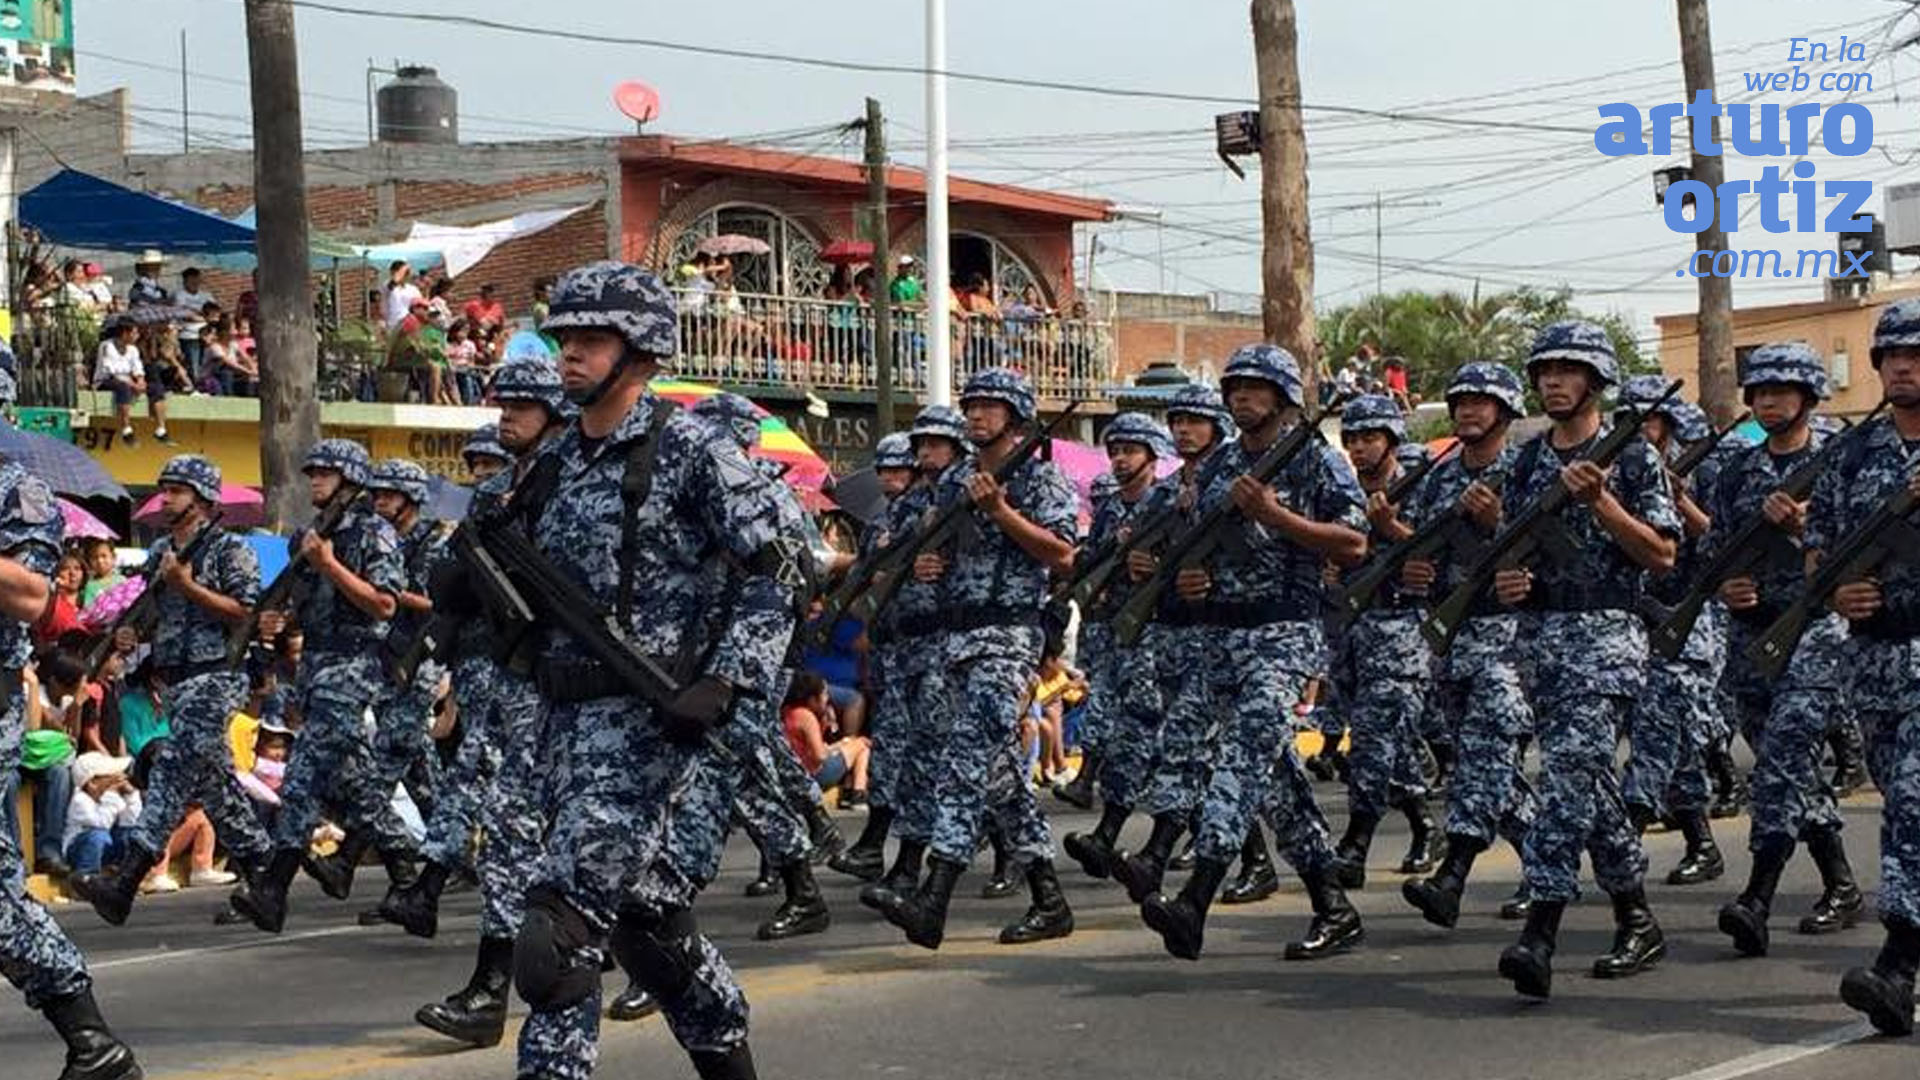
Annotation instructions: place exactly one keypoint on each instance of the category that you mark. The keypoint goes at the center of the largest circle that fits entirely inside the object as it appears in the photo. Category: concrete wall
(1187, 330)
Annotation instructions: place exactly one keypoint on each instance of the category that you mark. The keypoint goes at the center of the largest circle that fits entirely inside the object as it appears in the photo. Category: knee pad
(659, 949)
(555, 961)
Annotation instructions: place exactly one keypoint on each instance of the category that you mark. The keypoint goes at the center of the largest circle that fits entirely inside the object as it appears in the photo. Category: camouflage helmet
(1643, 393)
(193, 471)
(895, 451)
(942, 420)
(1488, 379)
(616, 296)
(1203, 401)
(734, 414)
(1690, 422)
(1789, 363)
(398, 474)
(1004, 385)
(1412, 455)
(1898, 328)
(1269, 364)
(537, 381)
(1373, 412)
(344, 456)
(1579, 342)
(485, 442)
(1139, 428)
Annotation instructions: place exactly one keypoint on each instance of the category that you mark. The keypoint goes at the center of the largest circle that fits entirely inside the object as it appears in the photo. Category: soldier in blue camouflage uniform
(993, 586)
(1884, 614)
(485, 458)
(1259, 603)
(1786, 721)
(356, 578)
(644, 500)
(1672, 720)
(894, 467)
(1384, 666)
(1479, 688)
(1591, 653)
(35, 954)
(913, 678)
(196, 603)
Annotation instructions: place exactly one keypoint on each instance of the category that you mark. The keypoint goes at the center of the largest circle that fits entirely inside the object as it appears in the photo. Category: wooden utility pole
(882, 267)
(1286, 261)
(1713, 327)
(289, 362)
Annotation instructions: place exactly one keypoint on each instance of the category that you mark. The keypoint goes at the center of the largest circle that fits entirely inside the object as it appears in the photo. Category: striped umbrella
(807, 471)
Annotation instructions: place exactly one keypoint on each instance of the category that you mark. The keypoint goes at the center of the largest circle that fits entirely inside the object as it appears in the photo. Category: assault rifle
(868, 595)
(142, 615)
(1364, 587)
(1889, 534)
(1536, 530)
(1192, 547)
(289, 586)
(1752, 544)
(474, 570)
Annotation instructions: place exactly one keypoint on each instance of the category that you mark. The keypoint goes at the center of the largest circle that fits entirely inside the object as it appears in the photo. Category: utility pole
(882, 266)
(1286, 260)
(1714, 323)
(939, 285)
(289, 413)
(186, 144)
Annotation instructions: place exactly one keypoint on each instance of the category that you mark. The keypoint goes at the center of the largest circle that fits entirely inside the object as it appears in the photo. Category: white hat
(150, 257)
(94, 764)
(906, 259)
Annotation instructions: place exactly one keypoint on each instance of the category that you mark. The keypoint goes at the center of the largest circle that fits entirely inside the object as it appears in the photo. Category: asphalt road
(329, 1000)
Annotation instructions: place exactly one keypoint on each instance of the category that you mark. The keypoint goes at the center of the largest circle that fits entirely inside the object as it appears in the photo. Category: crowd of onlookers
(450, 352)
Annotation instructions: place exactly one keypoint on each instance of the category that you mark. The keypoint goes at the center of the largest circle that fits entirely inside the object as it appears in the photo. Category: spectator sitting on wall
(100, 287)
(806, 718)
(119, 371)
(485, 310)
(101, 811)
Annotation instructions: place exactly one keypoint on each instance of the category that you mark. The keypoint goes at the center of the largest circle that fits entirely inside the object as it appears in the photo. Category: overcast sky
(1512, 205)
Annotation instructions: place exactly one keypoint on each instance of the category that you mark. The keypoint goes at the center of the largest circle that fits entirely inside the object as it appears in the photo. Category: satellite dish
(639, 101)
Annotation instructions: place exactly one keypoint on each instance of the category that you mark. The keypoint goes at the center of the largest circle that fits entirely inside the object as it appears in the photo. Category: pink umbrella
(108, 606)
(1083, 464)
(82, 524)
(243, 505)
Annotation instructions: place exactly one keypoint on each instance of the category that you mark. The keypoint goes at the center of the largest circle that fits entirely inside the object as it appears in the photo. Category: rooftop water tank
(416, 107)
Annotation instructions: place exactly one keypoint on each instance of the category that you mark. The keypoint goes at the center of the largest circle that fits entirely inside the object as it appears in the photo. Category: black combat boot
(416, 908)
(402, 865)
(1181, 921)
(1528, 963)
(1257, 879)
(1516, 907)
(93, 1053)
(1641, 817)
(900, 879)
(1849, 756)
(1140, 874)
(1423, 850)
(477, 1013)
(1001, 883)
(335, 872)
(924, 914)
(1702, 862)
(1744, 919)
(264, 900)
(734, 1064)
(1638, 943)
(633, 1003)
(111, 891)
(1349, 868)
(1079, 791)
(823, 834)
(1094, 851)
(1185, 859)
(766, 882)
(868, 855)
(1336, 925)
(1840, 901)
(1438, 897)
(805, 910)
(1048, 916)
(1885, 991)
(1444, 760)
(1729, 787)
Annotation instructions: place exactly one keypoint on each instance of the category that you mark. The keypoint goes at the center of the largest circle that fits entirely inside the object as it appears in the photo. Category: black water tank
(416, 107)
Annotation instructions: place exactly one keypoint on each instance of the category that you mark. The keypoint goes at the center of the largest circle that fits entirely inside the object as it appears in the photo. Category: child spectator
(233, 373)
(272, 744)
(463, 356)
(1056, 687)
(192, 837)
(143, 717)
(804, 717)
(104, 805)
(103, 571)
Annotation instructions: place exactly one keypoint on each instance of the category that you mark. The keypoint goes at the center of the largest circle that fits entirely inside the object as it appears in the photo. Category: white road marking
(235, 946)
(1773, 1057)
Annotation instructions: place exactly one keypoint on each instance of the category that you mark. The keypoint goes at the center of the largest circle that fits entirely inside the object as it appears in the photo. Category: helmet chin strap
(599, 390)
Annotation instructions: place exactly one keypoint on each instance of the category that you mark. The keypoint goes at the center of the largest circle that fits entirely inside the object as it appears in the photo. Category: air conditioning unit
(1903, 218)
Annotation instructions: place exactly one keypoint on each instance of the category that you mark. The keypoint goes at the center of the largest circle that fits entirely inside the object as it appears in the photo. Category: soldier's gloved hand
(697, 709)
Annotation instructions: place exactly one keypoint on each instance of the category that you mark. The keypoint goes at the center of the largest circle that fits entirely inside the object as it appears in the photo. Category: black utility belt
(966, 617)
(1890, 626)
(568, 682)
(1234, 616)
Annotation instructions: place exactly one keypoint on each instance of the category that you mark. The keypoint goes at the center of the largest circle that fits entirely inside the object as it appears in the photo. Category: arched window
(793, 268)
(978, 253)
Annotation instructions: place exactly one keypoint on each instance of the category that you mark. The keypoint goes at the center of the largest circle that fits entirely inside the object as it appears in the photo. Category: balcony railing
(752, 340)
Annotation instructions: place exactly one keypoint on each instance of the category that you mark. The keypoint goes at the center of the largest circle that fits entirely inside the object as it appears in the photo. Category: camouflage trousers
(1143, 680)
(1384, 668)
(333, 761)
(1786, 725)
(1886, 697)
(1013, 810)
(35, 954)
(886, 724)
(402, 742)
(1100, 658)
(1581, 806)
(975, 725)
(1300, 831)
(913, 740)
(1261, 676)
(1669, 729)
(1479, 691)
(195, 765)
(768, 811)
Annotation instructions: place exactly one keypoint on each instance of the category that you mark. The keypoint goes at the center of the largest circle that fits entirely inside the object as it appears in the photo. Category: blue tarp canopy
(79, 210)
